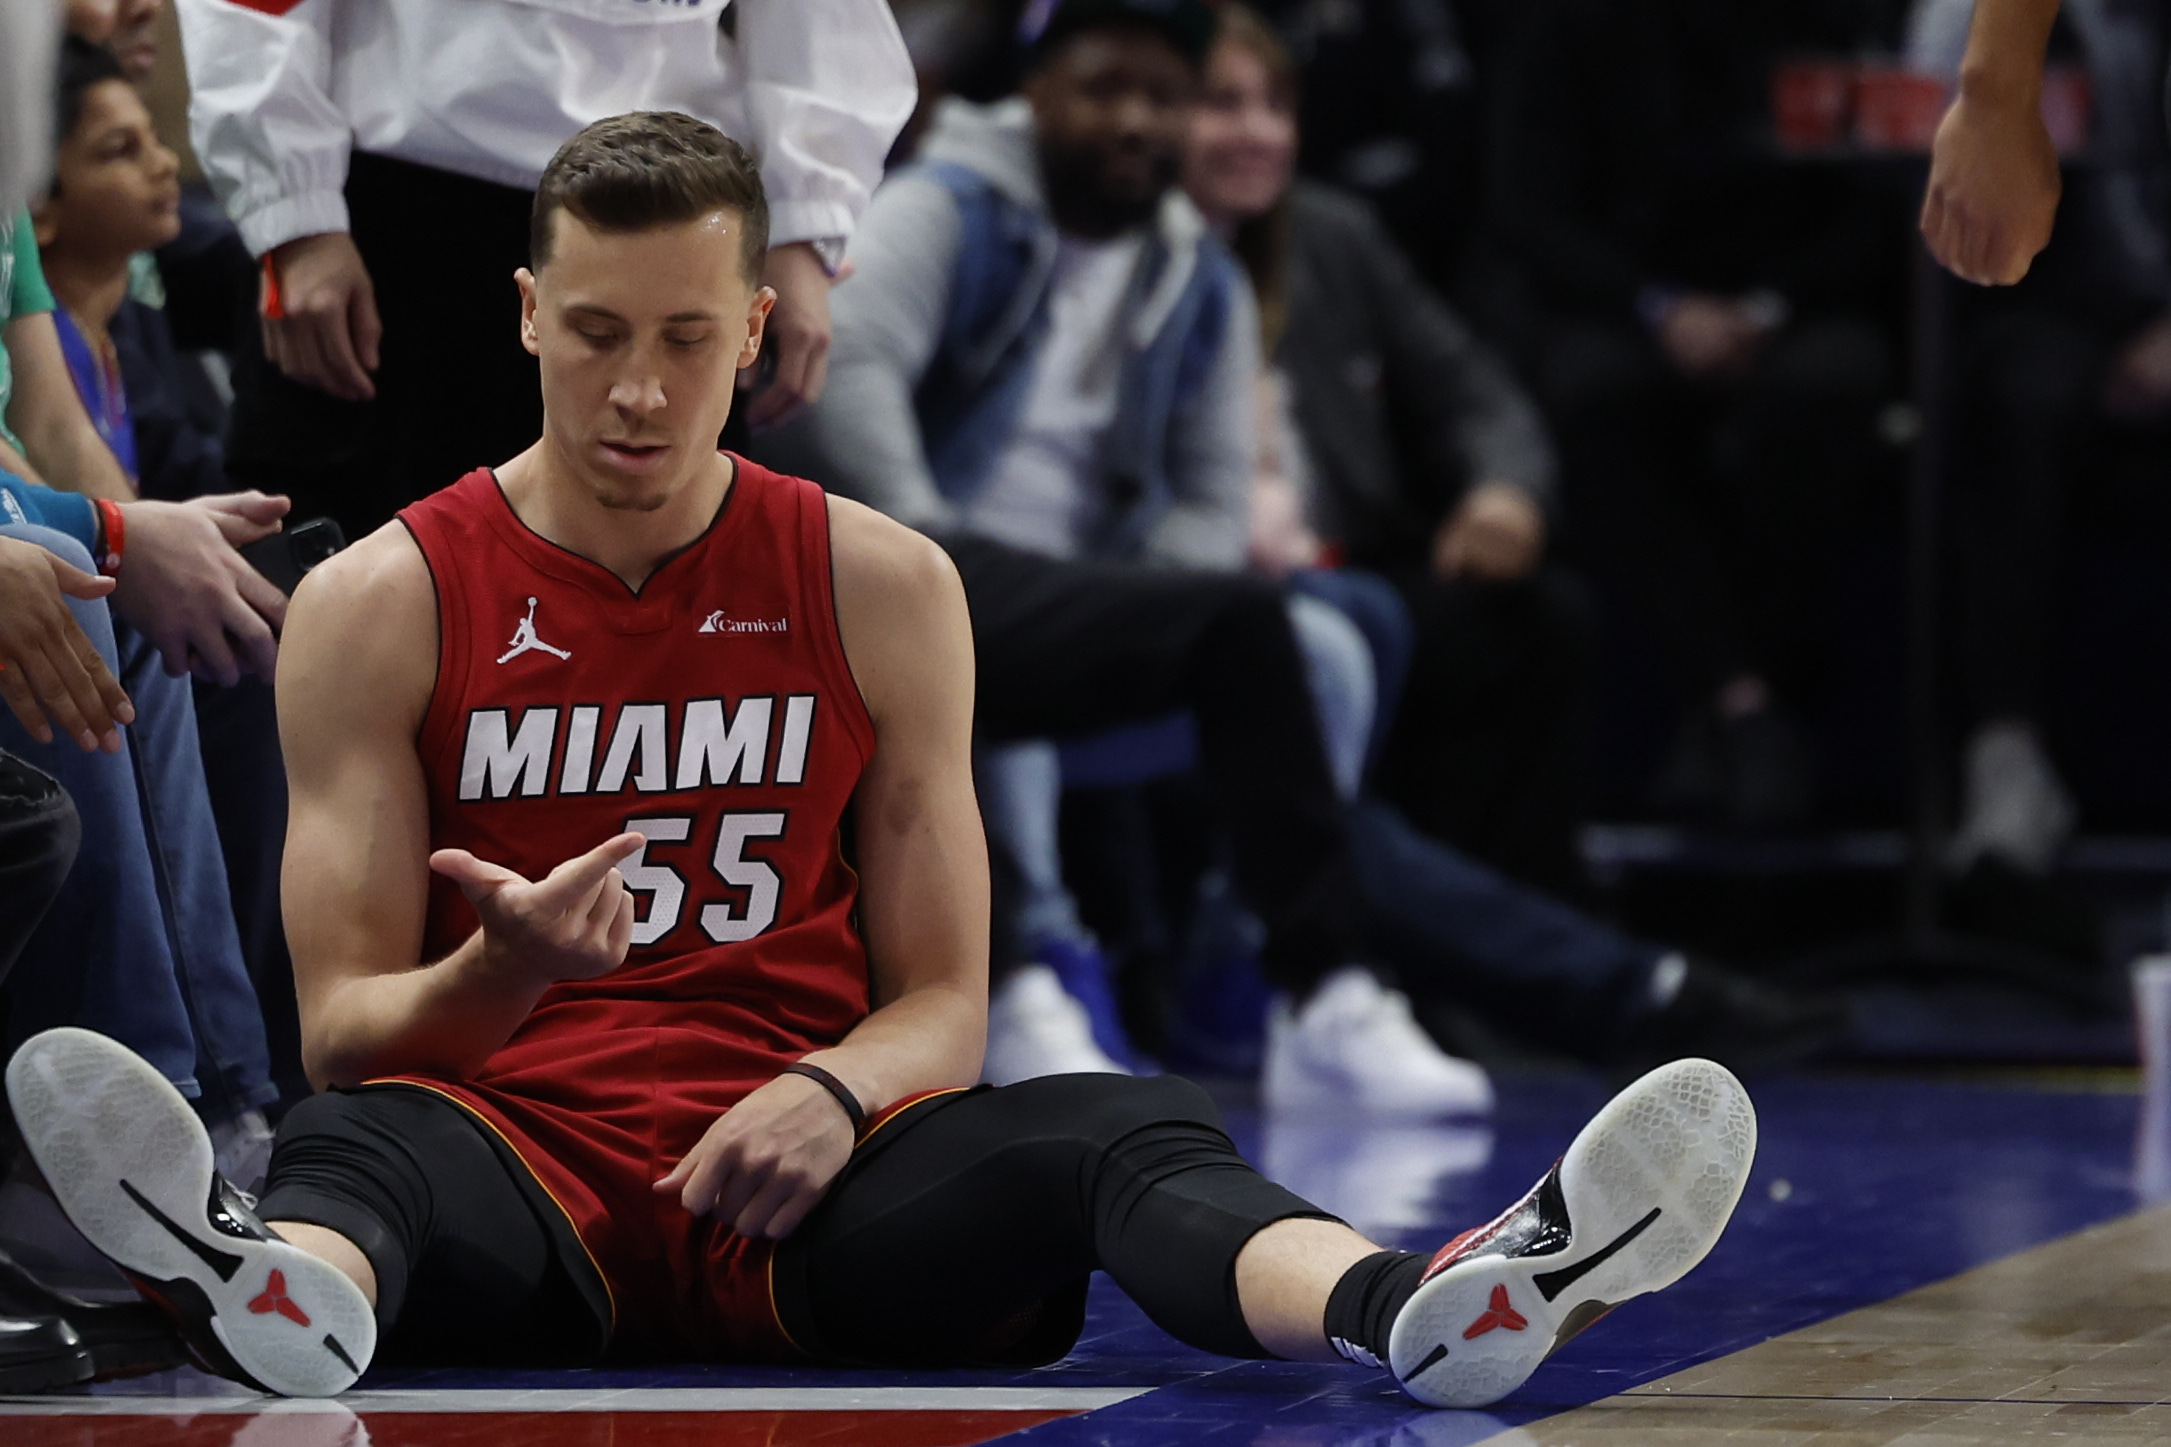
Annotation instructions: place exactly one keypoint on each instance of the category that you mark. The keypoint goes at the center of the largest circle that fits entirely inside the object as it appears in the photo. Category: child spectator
(115, 197)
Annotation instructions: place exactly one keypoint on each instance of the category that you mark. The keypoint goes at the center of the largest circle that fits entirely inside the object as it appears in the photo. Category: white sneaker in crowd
(2014, 806)
(1035, 1028)
(1354, 1045)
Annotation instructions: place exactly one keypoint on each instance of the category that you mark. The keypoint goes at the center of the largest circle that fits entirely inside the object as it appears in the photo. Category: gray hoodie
(867, 438)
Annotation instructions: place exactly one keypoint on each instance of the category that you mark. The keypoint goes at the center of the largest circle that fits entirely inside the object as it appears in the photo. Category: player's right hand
(574, 923)
(49, 668)
(327, 330)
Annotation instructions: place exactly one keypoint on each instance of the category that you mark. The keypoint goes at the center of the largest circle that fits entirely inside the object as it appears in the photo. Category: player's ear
(757, 323)
(525, 280)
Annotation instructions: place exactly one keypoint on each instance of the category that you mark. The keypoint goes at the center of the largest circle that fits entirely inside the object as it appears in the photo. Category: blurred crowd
(1312, 396)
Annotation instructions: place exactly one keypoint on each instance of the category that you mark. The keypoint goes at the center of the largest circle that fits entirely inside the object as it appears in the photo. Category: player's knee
(1107, 1108)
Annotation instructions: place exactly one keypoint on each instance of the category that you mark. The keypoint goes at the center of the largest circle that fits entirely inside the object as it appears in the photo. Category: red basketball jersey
(711, 710)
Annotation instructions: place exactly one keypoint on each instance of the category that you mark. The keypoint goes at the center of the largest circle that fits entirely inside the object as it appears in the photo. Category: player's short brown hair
(647, 169)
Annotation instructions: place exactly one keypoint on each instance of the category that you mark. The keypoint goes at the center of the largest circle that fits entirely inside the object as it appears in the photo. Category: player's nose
(638, 393)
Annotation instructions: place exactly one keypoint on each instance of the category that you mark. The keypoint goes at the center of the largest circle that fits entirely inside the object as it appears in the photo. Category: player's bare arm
(923, 900)
(1993, 190)
(354, 682)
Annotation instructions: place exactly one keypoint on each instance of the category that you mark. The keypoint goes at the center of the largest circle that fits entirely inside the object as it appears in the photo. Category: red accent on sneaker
(1497, 1314)
(1447, 1255)
(276, 1299)
(1469, 1241)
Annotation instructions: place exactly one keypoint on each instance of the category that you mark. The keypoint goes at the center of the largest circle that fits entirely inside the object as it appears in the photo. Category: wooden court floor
(2068, 1342)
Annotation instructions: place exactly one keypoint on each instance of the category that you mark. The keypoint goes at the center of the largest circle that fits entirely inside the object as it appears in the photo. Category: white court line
(629, 1399)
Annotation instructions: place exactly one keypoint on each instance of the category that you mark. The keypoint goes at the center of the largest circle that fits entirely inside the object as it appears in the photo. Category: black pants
(39, 832)
(1716, 506)
(1070, 649)
(1488, 751)
(2030, 388)
(456, 389)
(962, 1232)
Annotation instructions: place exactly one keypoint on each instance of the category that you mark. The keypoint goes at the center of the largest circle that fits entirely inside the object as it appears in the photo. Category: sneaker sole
(131, 1166)
(1649, 1185)
(46, 1374)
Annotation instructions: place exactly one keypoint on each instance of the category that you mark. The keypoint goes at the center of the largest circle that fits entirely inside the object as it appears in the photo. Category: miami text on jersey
(715, 745)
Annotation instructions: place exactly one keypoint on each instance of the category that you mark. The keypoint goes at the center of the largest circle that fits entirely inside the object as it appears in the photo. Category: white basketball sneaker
(1036, 1028)
(1355, 1046)
(1639, 1199)
(131, 1165)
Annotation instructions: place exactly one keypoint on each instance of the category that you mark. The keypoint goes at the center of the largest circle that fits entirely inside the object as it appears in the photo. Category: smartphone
(286, 555)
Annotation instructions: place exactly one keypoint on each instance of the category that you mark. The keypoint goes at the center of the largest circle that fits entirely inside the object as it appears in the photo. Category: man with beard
(1045, 359)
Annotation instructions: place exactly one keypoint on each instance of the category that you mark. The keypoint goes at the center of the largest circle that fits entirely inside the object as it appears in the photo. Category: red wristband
(116, 535)
(269, 301)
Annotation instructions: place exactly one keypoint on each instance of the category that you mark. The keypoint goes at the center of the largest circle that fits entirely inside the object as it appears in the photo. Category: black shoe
(1742, 1023)
(124, 1339)
(130, 1165)
(1758, 771)
(1771, 771)
(41, 1354)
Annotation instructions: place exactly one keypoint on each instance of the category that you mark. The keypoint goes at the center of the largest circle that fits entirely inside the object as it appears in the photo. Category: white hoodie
(282, 90)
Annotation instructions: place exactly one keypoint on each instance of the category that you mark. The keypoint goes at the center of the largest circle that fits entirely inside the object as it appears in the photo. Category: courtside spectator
(1045, 359)
(140, 941)
(1702, 319)
(382, 158)
(193, 597)
(1409, 450)
(1037, 361)
(114, 199)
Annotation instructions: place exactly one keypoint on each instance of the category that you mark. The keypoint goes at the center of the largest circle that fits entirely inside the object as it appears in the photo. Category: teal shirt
(23, 293)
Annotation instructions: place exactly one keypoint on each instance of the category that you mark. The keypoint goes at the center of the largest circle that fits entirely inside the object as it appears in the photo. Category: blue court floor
(1864, 1188)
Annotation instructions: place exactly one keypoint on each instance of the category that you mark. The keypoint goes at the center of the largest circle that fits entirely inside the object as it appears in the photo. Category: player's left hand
(796, 337)
(765, 1162)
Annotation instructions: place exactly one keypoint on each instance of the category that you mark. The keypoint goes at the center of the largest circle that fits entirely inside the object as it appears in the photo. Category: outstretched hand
(574, 923)
(765, 1162)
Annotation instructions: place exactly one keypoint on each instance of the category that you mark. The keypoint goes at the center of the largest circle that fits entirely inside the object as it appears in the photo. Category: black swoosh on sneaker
(1432, 1359)
(332, 1345)
(1551, 1284)
(225, 1263)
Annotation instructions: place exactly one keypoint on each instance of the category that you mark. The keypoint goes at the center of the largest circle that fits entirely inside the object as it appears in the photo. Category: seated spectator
(1406, 448)
(1706, 324)
(140, 942)
(221, 601)
(112, 202)
(1045, 359)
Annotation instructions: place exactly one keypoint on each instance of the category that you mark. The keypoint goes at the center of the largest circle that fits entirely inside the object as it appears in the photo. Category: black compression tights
(1005, 1198)
(962, 1232)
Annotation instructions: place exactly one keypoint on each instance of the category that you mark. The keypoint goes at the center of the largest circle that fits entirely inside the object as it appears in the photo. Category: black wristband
(835, 1087)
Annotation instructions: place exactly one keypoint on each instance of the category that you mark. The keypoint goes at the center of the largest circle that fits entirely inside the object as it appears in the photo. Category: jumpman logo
(276, 1299)
(1498, 1314)
(525, 641)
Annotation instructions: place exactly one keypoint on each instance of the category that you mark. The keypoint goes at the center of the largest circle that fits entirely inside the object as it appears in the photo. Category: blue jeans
(1453, 926)
(140, 944)
(1372, 604)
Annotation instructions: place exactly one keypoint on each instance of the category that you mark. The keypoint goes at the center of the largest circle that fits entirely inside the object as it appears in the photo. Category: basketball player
(639, 910)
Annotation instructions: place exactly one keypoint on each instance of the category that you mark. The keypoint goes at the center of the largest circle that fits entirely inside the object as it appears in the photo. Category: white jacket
(282, 90)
